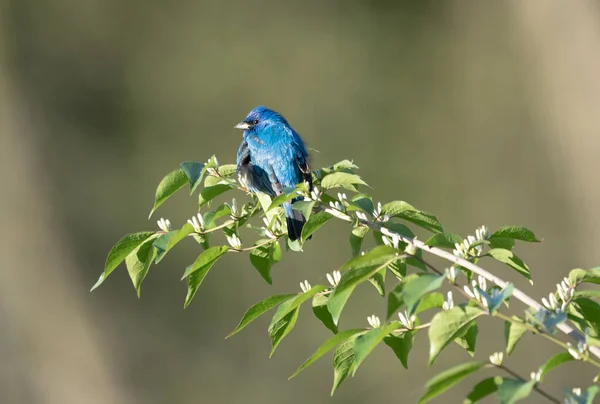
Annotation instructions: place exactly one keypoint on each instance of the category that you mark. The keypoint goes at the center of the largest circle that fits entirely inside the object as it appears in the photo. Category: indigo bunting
(272, 157)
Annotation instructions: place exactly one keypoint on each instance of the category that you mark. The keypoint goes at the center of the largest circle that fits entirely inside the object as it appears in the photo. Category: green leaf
(138, 262)
(194, 172)
(294, 303)
(554, 362)
(448, 379)
(431, 301)
(168, 240)
(588, 310)
(363, 202)
(481, 390)
(515, 233)
(446, 326)
(259, 309)
(280, 199)
(513, 333)
(401, 345)
(336, 303)
(588, 294)
(356, 239)
(406, 211)
(344, 165)
(209, 193)
(341, 180)
(304, 207)
(343, 361)
(511, 390)
(416, 288)
(326, 347)
(224, 171)
(376, 256)
(279, 330)
(579, 275)
(319, 305)
(444, 240)
(121, 250)
(395, 300)
(196, 272)
(378, 280)
(264, 257)
(501, 242)
(469, 339)
(314, 223)
(398, 269)
(170, 184)
(366, 342)
(511, 260)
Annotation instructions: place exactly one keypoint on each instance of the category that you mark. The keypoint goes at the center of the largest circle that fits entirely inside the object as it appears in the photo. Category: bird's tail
(295, 222)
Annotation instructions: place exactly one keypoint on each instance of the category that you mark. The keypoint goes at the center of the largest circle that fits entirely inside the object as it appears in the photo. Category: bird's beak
(242, 125)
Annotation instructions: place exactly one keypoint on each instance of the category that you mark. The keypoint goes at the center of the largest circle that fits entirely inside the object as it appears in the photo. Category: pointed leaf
(554, 362)
(444, 240)
(356, 239)
(138, 262)
(326, 347)
(343, 361)
(170, 184)
(362, 202)
(296, 302)
(279, 199)
(378, 280)
(194, 172)
(433, 300)
(515, 233)
(469, 339)
(121, 250)
(511, 390)
(209, 193)
(304, 207)
(406, 211)
(446, 326)
(226, 170)
(168, 240)
(511, 260)
(259, 309)
(196, 272)
(501, 242)
(513, 333)
(319, 305)
(366, 342)
(264, 257)
(314, 223)
(579, 275)
(341, 180)
(401, 345)
(448, 379)
(279, 330)
(481, 390)
(336, 303)
(416, 288)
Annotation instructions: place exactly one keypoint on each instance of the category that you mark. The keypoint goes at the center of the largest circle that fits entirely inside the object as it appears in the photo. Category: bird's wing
(250, 176)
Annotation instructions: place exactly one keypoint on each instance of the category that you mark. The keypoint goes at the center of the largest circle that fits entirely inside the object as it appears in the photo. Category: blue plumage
(272, 157)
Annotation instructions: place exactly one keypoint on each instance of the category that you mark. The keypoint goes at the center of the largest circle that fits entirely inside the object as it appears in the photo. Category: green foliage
(413, 289)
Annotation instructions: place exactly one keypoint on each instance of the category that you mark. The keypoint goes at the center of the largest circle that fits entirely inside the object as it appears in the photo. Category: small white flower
(449, 302)
(536, 375)
(374, 321)
(386, 240)
(197, 222)
(576, 391)
(216, 161)
(482, 283)
(342, 197)
(469, 292)
(451, 274)
(407, 320)
(234, 241)
(334, 278)
(546, 303)
(305, 286)
(410, 249)
(496, 358)
(361, 215)
(234, 209)
(164, 224)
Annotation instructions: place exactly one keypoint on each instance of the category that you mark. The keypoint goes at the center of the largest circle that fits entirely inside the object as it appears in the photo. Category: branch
(518, 294)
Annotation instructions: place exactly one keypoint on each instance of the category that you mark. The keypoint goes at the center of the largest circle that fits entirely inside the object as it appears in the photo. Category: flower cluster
(374, 321)
(496, 358)
(378, 216)
(197, 222)
(565, 292)
(305, 286)
(315, 195)
(479, 284)
(334, 278)
(407, 319)
(449, 302)
(467, 249)
(234, 241)
(164, 224)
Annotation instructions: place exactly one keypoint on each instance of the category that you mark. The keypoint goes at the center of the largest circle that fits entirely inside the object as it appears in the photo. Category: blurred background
(481, 112)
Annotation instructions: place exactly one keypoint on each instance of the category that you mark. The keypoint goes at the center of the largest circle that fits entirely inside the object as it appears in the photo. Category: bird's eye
(254, 122)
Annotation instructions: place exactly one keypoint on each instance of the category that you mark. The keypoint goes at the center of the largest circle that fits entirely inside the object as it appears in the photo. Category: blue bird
(272, 157)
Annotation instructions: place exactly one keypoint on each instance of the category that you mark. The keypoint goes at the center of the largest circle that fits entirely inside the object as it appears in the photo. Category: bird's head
(259, 118)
